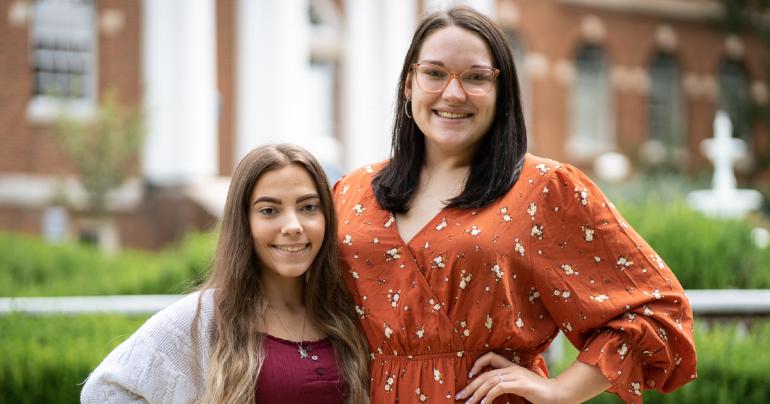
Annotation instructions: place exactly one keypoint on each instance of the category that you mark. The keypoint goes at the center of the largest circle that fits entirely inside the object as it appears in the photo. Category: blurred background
(122, 120)
(208, 80)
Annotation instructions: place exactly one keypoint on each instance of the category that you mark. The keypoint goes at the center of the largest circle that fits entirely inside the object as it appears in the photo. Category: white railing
(126, 304)
(704, 302)
(729, 301)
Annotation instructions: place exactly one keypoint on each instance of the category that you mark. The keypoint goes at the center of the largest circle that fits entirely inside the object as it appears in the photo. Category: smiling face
(452, 121)
(286, 221)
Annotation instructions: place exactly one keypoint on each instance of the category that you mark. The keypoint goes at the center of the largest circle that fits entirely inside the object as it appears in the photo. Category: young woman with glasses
(466, 255)
(273, 323)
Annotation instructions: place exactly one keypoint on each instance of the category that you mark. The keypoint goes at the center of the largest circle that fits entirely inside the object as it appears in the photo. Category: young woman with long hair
(466, 256)
(272, 323)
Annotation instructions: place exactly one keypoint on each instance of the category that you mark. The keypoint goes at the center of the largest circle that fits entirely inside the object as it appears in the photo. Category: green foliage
(58, 352)
(101, 147)
(30, 267)
(46, 358)
(732, 368)
(703, 252)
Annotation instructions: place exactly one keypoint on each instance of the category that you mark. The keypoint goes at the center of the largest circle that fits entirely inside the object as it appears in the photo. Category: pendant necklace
(303, 351)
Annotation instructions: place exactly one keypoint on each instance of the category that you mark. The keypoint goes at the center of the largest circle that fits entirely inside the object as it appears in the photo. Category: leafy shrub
(732, 368)
(703, 252)
(30, 267)
(46, 358)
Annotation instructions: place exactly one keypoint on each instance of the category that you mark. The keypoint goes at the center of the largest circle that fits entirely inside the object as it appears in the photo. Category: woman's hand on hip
(507, 377)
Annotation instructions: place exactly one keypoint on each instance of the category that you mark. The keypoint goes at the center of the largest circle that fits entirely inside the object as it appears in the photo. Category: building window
(63, 48)
(591, 115)
(734, 97)
(665, 116)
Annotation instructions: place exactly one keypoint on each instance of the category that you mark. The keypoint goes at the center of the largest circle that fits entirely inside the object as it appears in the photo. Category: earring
(307, 276)
(406, 110)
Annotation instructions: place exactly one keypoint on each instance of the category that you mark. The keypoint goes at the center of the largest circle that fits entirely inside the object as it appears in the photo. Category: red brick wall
(15, 89)
(164, 217)
(22, 220)
(552, 28)
(28, 146)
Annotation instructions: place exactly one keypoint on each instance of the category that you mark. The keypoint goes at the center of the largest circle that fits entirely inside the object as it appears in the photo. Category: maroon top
(288, 379)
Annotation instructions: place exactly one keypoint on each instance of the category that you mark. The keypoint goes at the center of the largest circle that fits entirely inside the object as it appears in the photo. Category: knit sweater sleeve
(160, 363)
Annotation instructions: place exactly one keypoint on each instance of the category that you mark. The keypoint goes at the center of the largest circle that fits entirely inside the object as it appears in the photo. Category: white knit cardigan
(156, 364)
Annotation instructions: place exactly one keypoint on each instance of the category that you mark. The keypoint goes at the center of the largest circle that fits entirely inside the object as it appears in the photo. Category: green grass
(46, 358)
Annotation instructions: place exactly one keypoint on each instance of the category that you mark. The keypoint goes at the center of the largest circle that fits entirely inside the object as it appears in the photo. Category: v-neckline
(441, 213)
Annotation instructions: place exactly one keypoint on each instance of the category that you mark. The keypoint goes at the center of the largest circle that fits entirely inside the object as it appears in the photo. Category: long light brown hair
(237, 350)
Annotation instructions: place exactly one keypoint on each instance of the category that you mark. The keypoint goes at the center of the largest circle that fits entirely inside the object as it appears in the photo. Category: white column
(179, 60)
(360, 80)
(399, 24)
(272, 72)
(377, 37)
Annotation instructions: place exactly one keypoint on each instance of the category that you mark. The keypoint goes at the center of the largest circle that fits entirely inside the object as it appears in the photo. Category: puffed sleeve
(157, 364)
(609, 292)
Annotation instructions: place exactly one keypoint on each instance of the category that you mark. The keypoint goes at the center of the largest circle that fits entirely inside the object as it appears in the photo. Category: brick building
(218, 77)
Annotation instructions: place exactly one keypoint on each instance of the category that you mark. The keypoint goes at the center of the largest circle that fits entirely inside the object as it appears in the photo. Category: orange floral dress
(552, 254)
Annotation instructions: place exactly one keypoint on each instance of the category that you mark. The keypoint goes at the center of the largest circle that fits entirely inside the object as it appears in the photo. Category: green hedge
(733, 367)
(704, 252)
(30, 267)
(46, 358)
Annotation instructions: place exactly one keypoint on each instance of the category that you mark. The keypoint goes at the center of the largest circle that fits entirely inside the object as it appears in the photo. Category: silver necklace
(303, 351)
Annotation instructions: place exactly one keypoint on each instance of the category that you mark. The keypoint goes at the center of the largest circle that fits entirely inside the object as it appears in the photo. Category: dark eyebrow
(267, 199)
(308, 196)
(432, 62)
(270, 199)
(440, 63)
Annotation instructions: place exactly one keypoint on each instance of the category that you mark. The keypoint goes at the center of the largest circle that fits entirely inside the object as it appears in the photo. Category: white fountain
(724, 199)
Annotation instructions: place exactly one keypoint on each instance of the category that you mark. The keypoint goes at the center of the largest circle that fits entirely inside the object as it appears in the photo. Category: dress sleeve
(156, 364)
(609, 292)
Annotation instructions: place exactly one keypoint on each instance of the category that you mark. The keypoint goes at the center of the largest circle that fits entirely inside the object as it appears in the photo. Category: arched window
(665, 117)
(591, 112)
(734, 97)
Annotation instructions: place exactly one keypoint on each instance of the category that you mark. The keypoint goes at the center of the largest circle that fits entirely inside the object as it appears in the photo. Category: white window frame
(592, 126)
(63, 23)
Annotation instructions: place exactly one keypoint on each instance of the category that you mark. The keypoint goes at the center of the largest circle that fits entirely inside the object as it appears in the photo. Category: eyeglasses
(435, 78)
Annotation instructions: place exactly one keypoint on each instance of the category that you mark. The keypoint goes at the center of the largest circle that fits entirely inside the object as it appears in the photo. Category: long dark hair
(239, 300)
(500, 155)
